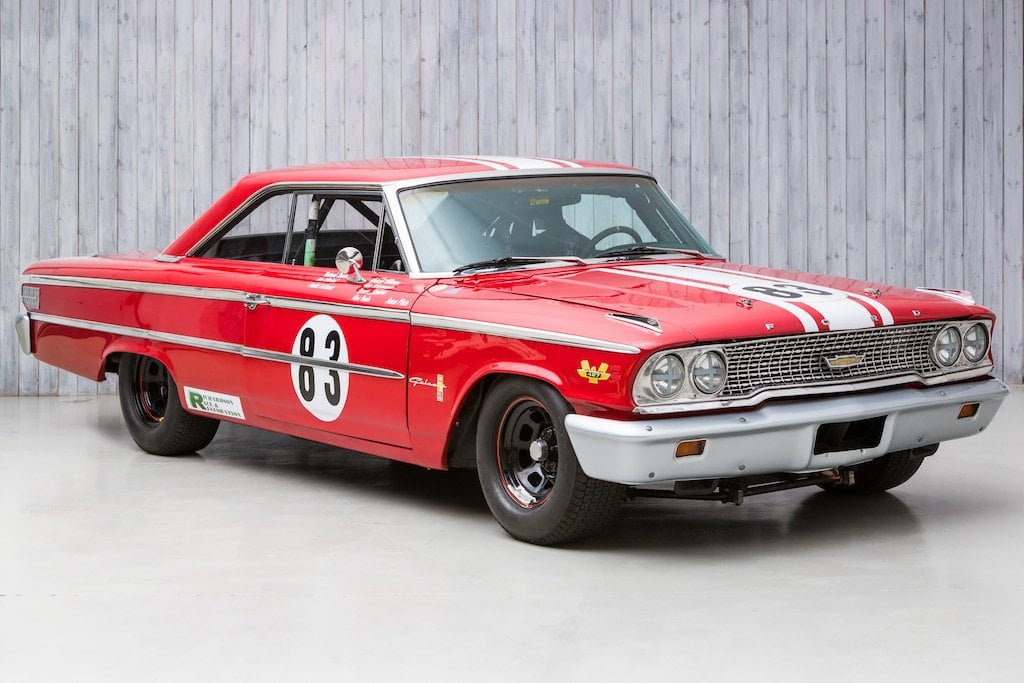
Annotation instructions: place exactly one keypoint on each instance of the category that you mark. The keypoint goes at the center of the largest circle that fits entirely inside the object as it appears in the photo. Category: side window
(309, 228)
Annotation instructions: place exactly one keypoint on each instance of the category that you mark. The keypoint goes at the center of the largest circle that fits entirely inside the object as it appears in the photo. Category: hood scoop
(649, 324)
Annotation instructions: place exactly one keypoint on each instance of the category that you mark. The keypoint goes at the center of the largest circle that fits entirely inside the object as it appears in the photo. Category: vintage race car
(557, 325)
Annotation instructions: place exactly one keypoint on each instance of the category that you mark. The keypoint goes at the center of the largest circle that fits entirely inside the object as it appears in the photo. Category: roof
(372, 172)
(411, 168)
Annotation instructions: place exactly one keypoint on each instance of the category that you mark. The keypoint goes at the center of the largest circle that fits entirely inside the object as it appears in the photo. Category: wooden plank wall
(870, 138)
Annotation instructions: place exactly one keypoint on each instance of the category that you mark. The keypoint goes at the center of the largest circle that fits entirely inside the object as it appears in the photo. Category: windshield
(469, 223)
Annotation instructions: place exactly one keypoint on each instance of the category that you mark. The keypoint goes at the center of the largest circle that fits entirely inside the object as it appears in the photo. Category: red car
(558, 325)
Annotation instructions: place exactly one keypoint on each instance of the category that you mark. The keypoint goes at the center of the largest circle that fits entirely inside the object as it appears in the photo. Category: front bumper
(777, 437)
(23, 326)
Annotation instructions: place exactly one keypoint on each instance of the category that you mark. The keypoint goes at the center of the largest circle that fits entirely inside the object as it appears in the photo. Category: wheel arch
(120, 348)
(460, 444)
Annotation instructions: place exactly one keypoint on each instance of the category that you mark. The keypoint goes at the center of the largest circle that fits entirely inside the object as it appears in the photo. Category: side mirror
(349, 261)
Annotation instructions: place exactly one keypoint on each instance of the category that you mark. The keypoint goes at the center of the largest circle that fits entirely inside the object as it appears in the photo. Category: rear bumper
(779, 437)
(23, 326)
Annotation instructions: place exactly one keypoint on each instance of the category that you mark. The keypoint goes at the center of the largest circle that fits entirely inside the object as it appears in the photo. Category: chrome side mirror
(349, 262)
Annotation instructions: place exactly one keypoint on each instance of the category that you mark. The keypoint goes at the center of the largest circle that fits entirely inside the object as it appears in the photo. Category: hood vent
(649, 324)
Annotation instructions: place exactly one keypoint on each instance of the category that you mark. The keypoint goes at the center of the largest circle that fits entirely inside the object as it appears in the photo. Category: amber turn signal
(968, 410)
(688, 448)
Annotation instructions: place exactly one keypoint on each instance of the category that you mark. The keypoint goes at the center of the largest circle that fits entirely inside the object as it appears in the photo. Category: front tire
(528, 471)
(152, 412)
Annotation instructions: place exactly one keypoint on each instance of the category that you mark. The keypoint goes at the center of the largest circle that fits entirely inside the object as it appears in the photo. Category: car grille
(801, 360)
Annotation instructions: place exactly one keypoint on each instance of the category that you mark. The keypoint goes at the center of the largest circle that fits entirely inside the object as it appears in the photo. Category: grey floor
(270, 558)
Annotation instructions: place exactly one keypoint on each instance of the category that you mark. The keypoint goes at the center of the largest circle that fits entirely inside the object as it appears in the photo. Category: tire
(882, 474)
(528, 471)
(152, 412)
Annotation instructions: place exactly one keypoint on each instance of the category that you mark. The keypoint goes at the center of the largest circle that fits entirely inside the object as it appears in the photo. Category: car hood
(712, 300)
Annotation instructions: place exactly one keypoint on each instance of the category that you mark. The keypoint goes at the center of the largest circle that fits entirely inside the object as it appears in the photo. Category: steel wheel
(527, 452)
(153, 413)
(152, 390)
(528, 470)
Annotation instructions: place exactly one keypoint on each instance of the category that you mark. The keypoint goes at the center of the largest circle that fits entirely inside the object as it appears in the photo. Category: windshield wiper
(641, 249)
(514, 261)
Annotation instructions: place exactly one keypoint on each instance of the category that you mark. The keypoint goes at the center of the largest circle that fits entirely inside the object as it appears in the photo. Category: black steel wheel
(152, 412)
(528, 470)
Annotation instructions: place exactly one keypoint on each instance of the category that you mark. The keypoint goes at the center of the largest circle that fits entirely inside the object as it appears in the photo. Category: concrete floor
(273, 559)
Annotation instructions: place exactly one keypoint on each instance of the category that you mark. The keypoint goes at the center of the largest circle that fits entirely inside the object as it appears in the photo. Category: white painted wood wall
(871, 138)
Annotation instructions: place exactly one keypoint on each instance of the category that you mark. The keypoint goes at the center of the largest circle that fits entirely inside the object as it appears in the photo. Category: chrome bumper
(778, 437)
(23, 326)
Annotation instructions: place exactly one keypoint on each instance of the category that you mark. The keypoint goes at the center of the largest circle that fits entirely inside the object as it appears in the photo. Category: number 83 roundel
(322, 391)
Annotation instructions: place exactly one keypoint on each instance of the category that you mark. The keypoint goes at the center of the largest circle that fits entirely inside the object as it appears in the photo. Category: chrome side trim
(811, 390)
(293, 359)
(213, 345)
(515, 332)
(133, 286)
(350, 310)
(23, 326)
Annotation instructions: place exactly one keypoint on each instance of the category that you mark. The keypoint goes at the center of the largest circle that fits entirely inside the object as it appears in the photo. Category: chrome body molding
(777, 438)
(230, 295)
(134, 286)
(214, 345)
(804, 391)
(23, 327)
(350, 310)
(515, 332)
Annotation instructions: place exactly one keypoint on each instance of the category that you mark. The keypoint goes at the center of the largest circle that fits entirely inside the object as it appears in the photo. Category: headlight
(708, 372)
(946, 346)
(975, 342)
(667, 376)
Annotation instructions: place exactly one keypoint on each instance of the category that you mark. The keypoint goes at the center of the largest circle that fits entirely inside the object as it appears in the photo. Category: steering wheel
(591, 246)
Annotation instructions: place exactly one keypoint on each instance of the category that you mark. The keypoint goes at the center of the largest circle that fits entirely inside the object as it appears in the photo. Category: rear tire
(528, 471)
(152, 412)
(882, 474)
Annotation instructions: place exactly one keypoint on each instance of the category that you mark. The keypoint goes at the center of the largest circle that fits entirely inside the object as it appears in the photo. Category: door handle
(251, 301)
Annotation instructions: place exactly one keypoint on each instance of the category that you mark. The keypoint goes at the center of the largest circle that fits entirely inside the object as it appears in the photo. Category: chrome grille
(800, 361)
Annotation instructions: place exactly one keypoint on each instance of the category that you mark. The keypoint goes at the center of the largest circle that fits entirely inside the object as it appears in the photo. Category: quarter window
(308, 229)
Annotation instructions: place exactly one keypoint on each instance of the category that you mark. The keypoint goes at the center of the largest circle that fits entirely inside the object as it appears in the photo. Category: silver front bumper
(777, 437)
(23, 326)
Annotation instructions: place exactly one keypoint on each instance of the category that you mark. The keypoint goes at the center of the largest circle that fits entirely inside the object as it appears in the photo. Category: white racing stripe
(833, 308)
(873, 304)
(645, 273)
(499, 163)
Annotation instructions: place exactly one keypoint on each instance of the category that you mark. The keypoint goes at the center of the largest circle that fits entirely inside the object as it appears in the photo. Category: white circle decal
(783, 291)
(322, 391)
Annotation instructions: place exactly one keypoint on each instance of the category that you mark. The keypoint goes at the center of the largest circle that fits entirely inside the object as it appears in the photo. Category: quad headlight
(946, 345)
(667, 375)
(708, 372)
(976, 342)
(681, 375)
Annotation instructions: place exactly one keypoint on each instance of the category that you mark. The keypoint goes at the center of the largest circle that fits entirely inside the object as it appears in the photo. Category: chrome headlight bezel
(946, 346)
(644, 391)
(986, 343)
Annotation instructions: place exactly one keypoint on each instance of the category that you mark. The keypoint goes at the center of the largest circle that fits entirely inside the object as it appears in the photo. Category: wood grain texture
(877, 138)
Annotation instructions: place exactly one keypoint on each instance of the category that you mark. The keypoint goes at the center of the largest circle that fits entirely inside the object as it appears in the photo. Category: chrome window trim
(229, 295)
(516, 332)
(274, 189)
(214, 345)
(810, 391)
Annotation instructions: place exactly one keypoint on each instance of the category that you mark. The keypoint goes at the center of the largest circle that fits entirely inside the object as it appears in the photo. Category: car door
(325, 352)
